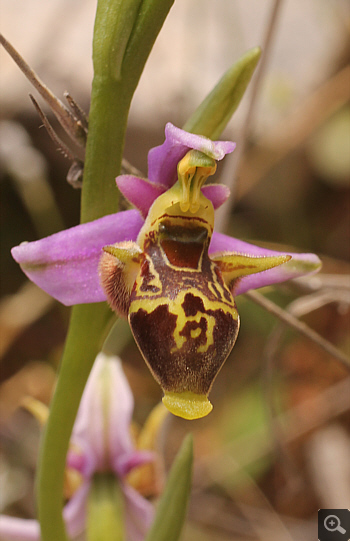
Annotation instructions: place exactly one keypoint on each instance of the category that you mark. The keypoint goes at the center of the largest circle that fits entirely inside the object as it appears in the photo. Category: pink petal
(124, 464)
(19, 529)
(139, 191)
(163, 160)
(299, 265)
(142, 193)
(65, 265)
(74, 512)
(80, 460)
(216, 193)
(139, 514)
(120, 408)
(107, 404)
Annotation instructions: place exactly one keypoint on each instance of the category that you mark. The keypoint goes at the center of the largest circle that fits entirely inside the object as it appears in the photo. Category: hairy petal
(163, 160)
(19, 529)
(299, 265)
(65, 264)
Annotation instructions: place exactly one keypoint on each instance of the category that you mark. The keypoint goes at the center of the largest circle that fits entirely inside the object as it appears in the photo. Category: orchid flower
(164, 268)
(100, 443)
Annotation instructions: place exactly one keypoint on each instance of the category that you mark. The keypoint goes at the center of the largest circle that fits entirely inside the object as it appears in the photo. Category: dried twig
(293, 130)
(62, 146)
(68, 121)
(78, 111)
(229, 176)
(299, 307)
(299, 326)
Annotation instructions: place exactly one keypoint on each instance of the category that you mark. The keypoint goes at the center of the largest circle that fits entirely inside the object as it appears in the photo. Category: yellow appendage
(187, 405)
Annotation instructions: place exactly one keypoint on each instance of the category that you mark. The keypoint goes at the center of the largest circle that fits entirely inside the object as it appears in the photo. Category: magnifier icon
(332, 524)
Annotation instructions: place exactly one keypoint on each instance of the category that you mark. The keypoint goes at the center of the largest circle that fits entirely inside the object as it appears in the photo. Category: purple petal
(19, 529)
(163, 160)
(120, 410)
(78, 461)
(74, 512)
(142, 193)
(139, 191)
(139, 514)
(124, 464)
(65, 265)
(216, 193)
(299, 265)
(106, 405)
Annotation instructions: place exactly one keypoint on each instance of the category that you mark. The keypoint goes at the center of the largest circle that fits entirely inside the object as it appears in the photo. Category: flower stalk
(110, 101)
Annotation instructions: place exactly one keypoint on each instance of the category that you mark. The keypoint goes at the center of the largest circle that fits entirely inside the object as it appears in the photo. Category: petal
(120, 410)
(216, 193)
(65, 265)
(163, 160)
(139, 514)
(124, 464)
(299, 265)
(107, 404)
(139, 191)
(142, 193)
(19, 529)
(74, 512)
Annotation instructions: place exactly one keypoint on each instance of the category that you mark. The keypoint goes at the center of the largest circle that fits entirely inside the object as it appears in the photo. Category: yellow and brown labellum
(183, 316)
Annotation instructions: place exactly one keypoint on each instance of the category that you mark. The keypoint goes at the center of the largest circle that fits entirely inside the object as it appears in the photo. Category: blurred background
(276, 447)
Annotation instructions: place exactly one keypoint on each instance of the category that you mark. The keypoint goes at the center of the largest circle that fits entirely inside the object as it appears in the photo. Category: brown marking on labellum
(184, 369)
(182, 254)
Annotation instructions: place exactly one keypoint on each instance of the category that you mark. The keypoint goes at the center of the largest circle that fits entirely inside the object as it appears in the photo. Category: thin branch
(330, 282)
(62, 146)
(299, 307)
(229, 176)
(299, 326)
(78, 111)
(293, 130)
(63, 115)
(127, 167)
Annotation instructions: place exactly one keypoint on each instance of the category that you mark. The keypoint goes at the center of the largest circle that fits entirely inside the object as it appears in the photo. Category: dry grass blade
(293, 130)
(62, 146)
(299, 326)
(78, 111)
(232, 162)
(63, 115)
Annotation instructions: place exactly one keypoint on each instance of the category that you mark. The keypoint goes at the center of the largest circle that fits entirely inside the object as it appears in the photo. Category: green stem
(114, 83)
(83, 344)
(105, 520)
(107, 125)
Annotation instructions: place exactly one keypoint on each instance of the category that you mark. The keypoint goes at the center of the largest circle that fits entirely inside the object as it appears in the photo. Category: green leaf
(171, 511)
(213, 114)
(113, 26)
